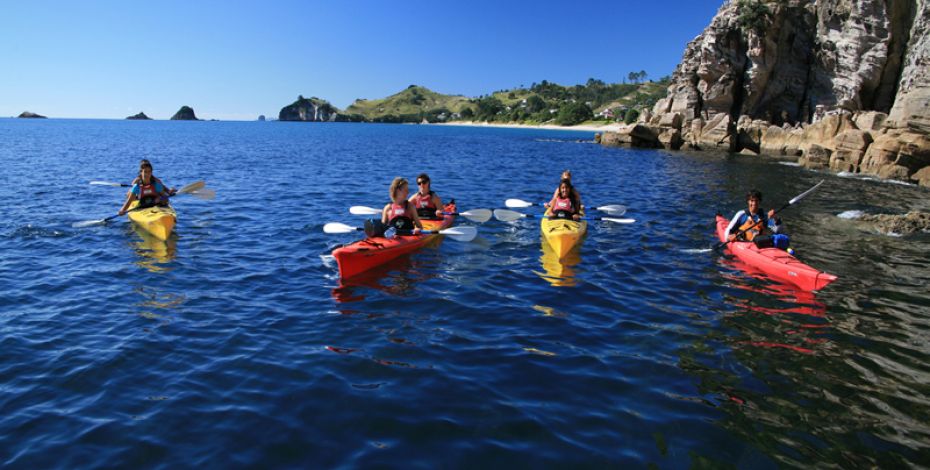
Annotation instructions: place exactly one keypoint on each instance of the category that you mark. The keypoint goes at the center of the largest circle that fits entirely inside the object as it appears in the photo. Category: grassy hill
(410, 105)
(544, 102)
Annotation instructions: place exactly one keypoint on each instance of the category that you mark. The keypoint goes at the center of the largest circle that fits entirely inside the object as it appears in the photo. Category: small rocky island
(30, 115)
(186, 113)
(139, 117)
(308, 110)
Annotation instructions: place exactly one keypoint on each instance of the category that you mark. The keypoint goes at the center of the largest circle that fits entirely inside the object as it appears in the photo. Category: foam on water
(853, 214)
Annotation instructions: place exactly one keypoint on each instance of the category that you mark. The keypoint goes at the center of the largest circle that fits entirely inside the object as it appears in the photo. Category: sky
(236, 60)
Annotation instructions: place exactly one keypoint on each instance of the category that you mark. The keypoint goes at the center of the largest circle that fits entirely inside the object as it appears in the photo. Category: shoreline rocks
(905, 224)
(837, 84)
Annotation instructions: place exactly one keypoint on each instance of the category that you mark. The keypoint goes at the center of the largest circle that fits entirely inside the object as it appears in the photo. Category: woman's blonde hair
(398, 183)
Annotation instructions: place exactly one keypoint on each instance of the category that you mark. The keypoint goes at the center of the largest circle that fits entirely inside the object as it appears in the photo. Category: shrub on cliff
(754, 15)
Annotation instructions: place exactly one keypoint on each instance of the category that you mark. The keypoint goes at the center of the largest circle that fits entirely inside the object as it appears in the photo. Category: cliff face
(311, 110)
(848, 78)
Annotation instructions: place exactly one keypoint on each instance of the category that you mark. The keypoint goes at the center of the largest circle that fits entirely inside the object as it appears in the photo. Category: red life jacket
(424, 205)
(398, 217)
(563, 207)
(148, 194)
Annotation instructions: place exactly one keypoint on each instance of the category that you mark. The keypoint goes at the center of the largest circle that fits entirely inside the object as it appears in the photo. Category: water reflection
(154, 253)
(559, 272)
(791, 318)
(396, 278)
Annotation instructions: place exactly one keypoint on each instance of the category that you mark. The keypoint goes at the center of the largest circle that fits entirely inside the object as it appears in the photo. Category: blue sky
(239, 59)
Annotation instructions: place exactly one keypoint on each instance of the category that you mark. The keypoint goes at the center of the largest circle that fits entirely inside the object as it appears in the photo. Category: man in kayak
(400, 214)
(148, 191)
(755, 225)
(564, 204)
(427, 202)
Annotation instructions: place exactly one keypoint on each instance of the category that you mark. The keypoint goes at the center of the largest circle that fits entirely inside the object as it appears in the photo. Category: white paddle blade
(195, 186)
(505, 215)
(336, 227)
(205, 194)
(105, 183)
(612, 209)
(619, 221)
(89, 223)
(363, 210)
(517, 203)
(477, 215)
(461, 234)
(805, 193)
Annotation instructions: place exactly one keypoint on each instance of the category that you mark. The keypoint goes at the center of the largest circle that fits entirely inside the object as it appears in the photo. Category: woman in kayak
(427, 202)
(754, 224)
(567, 175)
(148, 191)
(401, 213)
(145, 162)
(564, 204)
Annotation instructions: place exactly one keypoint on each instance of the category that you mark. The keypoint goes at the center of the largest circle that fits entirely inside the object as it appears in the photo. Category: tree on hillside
(535, 104)
(574, 113)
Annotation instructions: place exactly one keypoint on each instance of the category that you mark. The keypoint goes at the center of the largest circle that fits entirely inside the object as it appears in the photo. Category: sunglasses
(422, 181)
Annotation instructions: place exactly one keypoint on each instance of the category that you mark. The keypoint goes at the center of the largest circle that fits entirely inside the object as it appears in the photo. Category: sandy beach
(593, 128)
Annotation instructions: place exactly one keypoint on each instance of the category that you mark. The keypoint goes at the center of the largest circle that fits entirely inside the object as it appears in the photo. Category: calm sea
(235, 343)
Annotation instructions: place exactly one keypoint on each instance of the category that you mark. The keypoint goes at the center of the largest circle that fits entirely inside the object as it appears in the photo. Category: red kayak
(365, 254)
(774, 262)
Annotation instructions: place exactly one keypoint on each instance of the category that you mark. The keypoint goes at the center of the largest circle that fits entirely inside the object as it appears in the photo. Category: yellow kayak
(563, 234)
(158, 220)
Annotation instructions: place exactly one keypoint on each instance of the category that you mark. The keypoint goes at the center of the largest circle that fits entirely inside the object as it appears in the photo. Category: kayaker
(567, 175)
(755, 225)
(564, 204)
(401, 213)
(171, 191)
(147, 191)
(427, 202)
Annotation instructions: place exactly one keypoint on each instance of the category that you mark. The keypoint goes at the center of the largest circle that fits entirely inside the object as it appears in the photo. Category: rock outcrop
(912, 222)
(839, 84)
(140, 117)
(186, 113)
(261, 117)
(309, 110)
(29, 115)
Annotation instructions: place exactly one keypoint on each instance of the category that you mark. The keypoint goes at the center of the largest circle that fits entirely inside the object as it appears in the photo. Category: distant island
(30, 115)
(139, 117)
(186, 113)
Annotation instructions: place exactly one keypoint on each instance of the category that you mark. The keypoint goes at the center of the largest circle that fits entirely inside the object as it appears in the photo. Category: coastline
(614, 127)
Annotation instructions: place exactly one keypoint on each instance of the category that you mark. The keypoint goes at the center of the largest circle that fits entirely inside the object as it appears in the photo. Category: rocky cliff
(312, 110)
(186, 113)
(840, 84)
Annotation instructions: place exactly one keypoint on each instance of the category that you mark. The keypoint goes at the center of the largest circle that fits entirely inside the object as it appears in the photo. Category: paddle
(793, 201)
(611, 209)
(204, 193)
(195, 186)
(462, 234)
(505, 215)
(108, 183)
(475, 215)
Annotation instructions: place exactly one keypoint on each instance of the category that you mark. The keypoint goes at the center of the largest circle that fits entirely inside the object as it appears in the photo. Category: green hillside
(551, 103)
(410, 105)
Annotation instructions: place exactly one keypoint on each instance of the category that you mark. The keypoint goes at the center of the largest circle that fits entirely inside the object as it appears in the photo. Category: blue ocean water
(235, 343)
